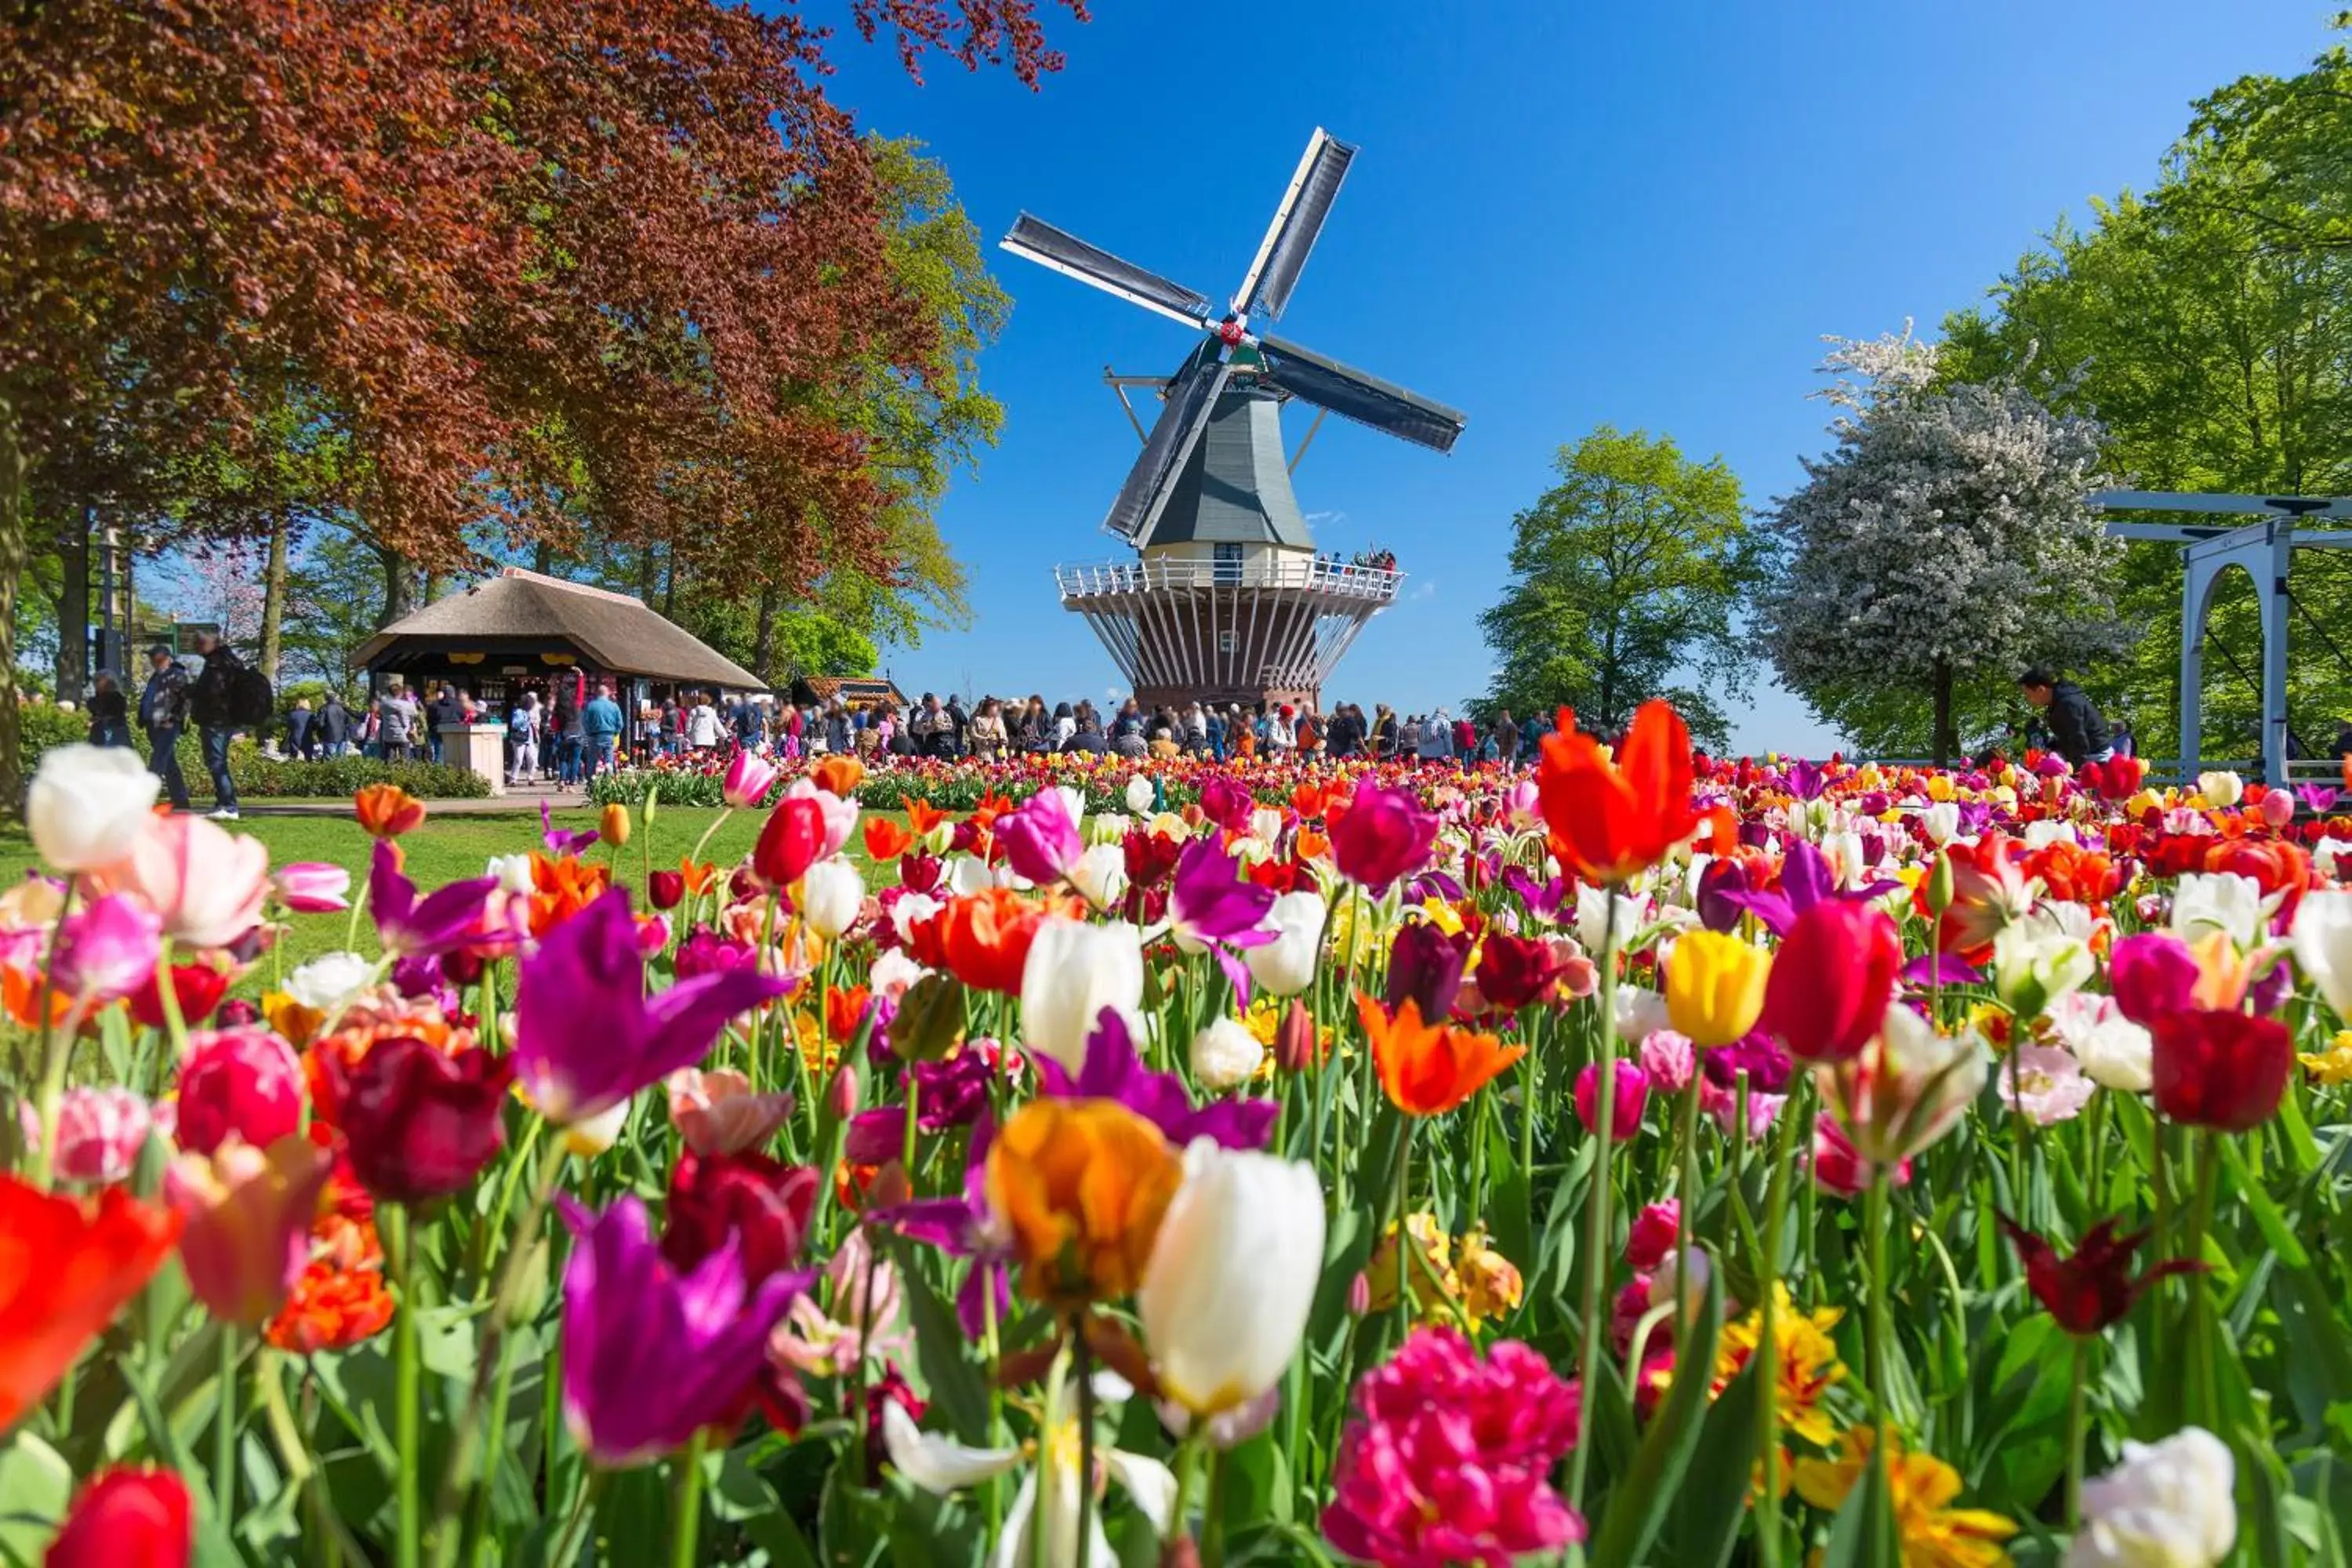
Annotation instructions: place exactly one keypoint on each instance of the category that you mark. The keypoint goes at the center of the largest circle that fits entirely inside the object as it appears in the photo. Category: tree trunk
(399, 587)
(763, 640)
(73, 607)
(645, 577)
(1947, 742)
(669, 584)
(11, 572)
(273, 600)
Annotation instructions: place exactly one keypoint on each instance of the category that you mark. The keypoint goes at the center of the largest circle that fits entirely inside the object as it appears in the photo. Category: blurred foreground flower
(1081, 1186)
(1922, 1486)
(2167, 1505)
(127, 1518)
(88, 805)
(67, 1267)
(248, 1213)
(1224, 1298)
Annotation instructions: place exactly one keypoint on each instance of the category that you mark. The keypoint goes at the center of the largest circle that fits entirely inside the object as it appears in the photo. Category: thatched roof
(610, 631)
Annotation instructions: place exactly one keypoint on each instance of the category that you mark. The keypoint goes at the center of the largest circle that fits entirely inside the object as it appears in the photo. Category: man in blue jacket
(601, 723)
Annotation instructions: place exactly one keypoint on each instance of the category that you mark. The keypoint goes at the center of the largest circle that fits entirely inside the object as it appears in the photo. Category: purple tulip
(958, 1226)
(1113, 1071)
(1210, 902)
(1426, 966)
(412, 927)
(107, 951)
(2319, 799)
(1806, 779)
(1041, 839)
(651, 1356)
(587, 1036)
(561, 841)
(2152, 974)
(1806, 878)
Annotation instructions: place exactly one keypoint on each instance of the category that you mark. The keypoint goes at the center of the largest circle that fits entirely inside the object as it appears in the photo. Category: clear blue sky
(1562, 215)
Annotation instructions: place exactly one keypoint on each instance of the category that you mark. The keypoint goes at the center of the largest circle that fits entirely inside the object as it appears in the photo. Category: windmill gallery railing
(1341, 579)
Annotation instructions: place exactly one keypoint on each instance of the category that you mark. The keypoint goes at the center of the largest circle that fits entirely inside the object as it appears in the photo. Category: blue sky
(1563, 214)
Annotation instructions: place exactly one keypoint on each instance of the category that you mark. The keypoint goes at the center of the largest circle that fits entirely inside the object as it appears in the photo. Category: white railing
(1337, 578)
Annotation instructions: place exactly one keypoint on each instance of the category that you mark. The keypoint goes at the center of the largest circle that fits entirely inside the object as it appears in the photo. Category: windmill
(1227, 600)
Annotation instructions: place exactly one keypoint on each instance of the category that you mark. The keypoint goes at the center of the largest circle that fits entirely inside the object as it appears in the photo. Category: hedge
(42, 726)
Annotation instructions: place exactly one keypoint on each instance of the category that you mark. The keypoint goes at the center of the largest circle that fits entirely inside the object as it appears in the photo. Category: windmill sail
(1266, 291)
(1191, 399)
(1043, 243)
(1367, 400)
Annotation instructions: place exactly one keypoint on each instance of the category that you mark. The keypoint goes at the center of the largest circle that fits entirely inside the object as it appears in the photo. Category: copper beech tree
(534, 261)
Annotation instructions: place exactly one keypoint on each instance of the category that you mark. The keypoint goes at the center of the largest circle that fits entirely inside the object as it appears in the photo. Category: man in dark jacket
(212, 700)
(2077, 732)
(163, 713)
(333, 730)
(299, 723)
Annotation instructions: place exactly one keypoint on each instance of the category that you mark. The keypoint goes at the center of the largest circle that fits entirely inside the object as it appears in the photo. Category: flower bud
(842, 1095)
(1293, 1041)
(1939, 884)
(613, 828)
(1359, 1295)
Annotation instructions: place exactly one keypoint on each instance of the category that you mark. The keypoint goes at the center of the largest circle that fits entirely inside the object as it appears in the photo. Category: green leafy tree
(1626, 581)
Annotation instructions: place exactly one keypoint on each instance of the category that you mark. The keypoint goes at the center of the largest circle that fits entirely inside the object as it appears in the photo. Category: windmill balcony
(1372, 586)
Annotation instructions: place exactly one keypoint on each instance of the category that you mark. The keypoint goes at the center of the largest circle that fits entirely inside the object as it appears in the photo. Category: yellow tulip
(1715, 987)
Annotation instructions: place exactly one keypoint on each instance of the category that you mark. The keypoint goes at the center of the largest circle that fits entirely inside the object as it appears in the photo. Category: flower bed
(255, 774)
(1702, 1162)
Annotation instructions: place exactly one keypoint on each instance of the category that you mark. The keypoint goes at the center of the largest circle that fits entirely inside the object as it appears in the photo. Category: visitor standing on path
(109, 715)
(600, 726)
(332, 732)
(163, 713)
(397, 718)
(213, 700)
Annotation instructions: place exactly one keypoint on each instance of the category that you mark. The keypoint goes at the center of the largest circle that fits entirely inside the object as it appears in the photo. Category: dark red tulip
(198, 988)
(420, 1124)
(791, 842)
(1426, 966)
(2091, 1291)
(2224, 1070)
(127, 1518)
(665, 889)
(764, 1203)
(1832, 979)
(1516, 972)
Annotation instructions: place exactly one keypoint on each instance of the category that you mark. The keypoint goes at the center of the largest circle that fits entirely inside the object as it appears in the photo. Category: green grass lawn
(449, 848)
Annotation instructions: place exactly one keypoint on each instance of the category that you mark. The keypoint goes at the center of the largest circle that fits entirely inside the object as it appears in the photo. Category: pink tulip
(206, 884)
(718, 1113)
(249, 1213)
(107, 951)
(246, 1083)
(313, 887)
(750, 777)
(1633, 1086)
(100, 1133)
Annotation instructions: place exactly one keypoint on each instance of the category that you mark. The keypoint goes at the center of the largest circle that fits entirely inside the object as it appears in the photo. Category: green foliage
(1627, 577)
(44, 725)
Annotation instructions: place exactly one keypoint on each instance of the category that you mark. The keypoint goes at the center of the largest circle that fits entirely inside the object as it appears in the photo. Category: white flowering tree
(1939, 548)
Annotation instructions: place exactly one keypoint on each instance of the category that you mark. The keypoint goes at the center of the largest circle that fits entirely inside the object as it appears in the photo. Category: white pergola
(2264, 549)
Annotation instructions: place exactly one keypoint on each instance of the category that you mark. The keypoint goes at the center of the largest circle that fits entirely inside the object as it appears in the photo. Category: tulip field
(1637, 1159)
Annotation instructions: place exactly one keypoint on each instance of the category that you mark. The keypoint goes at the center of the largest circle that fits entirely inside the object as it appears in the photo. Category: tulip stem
(1591, 1324)
(687, 1528)
(716, 823)
(1876, 1347)
(1399, 1200)
(1213, 1518)
(56, 1045)
(1767, 1342)
(2205, 1402)
(400, 1249)
(2075, 1391)
(1686, 1199)
(1082, 1359)
(567, 1550)
(224, 1430)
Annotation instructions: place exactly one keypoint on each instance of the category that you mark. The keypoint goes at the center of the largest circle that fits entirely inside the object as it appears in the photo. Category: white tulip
(893, 972)
(1225, 1296)
(513, 872)
(2034, 962)
(1908, 1089)
(330, 980)
(969, 874)
(1597, 910)
(2323, 946)
(908, 910)
(2224, 901)
(1265, 823)
(1075, 971)
(2170, 1505)
(2115, 1053)
(1940, 822)
(88, 806)
(2048, 831)
(1640, 1013)
(832, 893)
(1100, 875)
(2223, 790)
(1225, 1056)
(1107, 827)
(1140, 796)
(2332, 857)
(1285, 966)
(596, 1135)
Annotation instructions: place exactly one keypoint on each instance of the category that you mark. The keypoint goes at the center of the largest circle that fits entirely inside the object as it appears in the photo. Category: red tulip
(1611, 817)
(419, 1122)
(1384, 834)
(1515, 972)
(68, 1267)
(665, 889)
(2223, 1071)
(1832, 980)
(2091, 1291)
(197, 987)
(761, 1202)
(246, 1082)
(127, 1518)
(791, 842)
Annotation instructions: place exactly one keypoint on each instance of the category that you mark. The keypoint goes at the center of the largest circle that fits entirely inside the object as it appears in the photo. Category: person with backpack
(224, 699)
(522, 735)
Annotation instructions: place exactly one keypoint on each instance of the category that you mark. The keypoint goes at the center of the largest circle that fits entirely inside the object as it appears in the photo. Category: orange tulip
(1081, 1186)
(387, 811)
(985, 937)
(844, 1010)
(1611, 818)
(1426, 1070)
(1309, 845)
(991, 806)
(1309, 799)
(885, 840)
(65, 1269)
(562, 889)
(838, 774)
(924, 815)
(699, 874)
